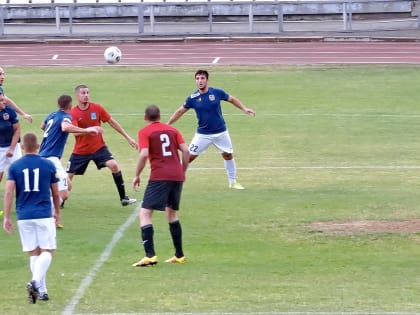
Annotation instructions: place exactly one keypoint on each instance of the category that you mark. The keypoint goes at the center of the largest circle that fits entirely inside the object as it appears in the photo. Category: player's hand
(132, 143)
(7, 225)
(136, 183)
(9, 153)
(27, 117)
(96, 130)
(250, 112)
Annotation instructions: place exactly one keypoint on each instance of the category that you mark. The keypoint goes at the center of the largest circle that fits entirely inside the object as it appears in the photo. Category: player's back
(33, 176)
(163, 142)
(54, 138)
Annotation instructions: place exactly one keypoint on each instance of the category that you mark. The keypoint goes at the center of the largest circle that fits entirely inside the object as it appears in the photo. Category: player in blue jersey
(33, 179)
(9, 136)
(206, 102)
(9, 101)
(57, 127)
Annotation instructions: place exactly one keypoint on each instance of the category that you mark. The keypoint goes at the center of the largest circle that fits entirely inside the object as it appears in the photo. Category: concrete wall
(186, 9)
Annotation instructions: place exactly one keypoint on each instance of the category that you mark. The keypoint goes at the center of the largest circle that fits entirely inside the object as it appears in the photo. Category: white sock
(32, 260)
(230, 167)
(41, 267)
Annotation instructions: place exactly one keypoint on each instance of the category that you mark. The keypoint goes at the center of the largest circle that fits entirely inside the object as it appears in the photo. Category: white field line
(314, 167)
(344, 115)
(69, 309)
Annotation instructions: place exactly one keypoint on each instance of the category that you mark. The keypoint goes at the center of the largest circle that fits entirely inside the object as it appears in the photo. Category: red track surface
(212, 52)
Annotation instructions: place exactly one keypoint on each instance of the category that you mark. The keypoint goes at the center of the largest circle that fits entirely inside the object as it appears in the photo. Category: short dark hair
(152, 113)
(202, 72)
(64, 101)
(30, 142)
(81, 86)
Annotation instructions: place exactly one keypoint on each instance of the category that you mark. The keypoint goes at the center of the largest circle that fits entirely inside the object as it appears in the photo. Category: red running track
(211, 52)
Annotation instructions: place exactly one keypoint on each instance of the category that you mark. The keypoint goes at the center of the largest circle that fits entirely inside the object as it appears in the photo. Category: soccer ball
(112, 54)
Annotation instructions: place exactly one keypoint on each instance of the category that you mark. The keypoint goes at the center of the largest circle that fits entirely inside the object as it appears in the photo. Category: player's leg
(3, 162)
(62, 186)
(199, 144)
(175, 228)
(104, 158)
(155, 198)
(28, 239)
(224, 144)
(46, 235)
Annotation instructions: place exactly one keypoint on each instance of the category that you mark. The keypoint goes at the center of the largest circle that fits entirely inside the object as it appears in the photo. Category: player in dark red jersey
(160, 143)
(91, 147)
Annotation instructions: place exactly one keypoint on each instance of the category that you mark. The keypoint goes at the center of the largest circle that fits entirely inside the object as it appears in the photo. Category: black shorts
(160, 194)
(78, 163)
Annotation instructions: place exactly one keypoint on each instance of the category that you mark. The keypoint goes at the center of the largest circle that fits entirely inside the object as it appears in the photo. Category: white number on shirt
(48, 127)
(26, 179)
(165, 144)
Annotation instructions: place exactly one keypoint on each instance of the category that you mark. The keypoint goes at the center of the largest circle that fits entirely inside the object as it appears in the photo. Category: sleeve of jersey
(105, 116)
(68, 119)
(143, 139)
(188, 103)
(223, 95)
(11, 173)
(179, 137)
(15, 118)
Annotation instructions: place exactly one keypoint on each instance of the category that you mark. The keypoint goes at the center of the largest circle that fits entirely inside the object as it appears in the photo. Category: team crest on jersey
(6, 116)
(93, 116)
(212, 97)
(199, 99)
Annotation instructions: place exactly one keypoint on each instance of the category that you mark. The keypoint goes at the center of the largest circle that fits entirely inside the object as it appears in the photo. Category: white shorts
(62, 174)
(5, 161)
(37, 233)
(201, 142)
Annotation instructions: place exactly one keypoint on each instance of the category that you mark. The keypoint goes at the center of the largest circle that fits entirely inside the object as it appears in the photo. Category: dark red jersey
(162, 141)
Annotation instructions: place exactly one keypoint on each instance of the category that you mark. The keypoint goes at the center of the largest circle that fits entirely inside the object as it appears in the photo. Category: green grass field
(327, 144)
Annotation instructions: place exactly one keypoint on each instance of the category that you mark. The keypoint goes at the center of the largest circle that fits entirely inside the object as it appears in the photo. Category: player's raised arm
(115, 124)
(238, 104)
(177, 114)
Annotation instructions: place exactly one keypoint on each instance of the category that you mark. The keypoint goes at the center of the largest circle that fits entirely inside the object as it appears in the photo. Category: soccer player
(90, 147)
(56, 129)
(33, 179)
(9, 101)
(160, 143)
(211, 124)
(9, 136)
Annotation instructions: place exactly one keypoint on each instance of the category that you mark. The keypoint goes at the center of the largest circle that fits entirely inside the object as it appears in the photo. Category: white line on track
(69, 309)
(270, 313)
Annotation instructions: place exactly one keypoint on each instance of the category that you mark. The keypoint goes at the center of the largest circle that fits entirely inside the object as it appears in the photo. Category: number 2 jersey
(33, 176)
(54, 139)
(162, 141)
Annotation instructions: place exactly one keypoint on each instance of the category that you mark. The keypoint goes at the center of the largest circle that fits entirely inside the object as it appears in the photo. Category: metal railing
(267, 17)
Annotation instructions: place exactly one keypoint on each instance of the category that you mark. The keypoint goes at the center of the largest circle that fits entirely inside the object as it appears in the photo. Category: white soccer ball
(112, 54)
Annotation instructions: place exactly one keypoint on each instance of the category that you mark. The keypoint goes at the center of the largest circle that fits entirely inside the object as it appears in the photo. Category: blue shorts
(78, 163)
(160, 194)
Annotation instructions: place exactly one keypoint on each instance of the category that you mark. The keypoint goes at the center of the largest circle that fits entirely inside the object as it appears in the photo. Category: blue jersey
(8, 118)
(54, 139)
(33, 176)
(208, 110)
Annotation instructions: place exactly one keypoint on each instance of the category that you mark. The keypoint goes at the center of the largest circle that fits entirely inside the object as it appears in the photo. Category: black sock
(119, 182)
(176, 233)
(147, 236)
